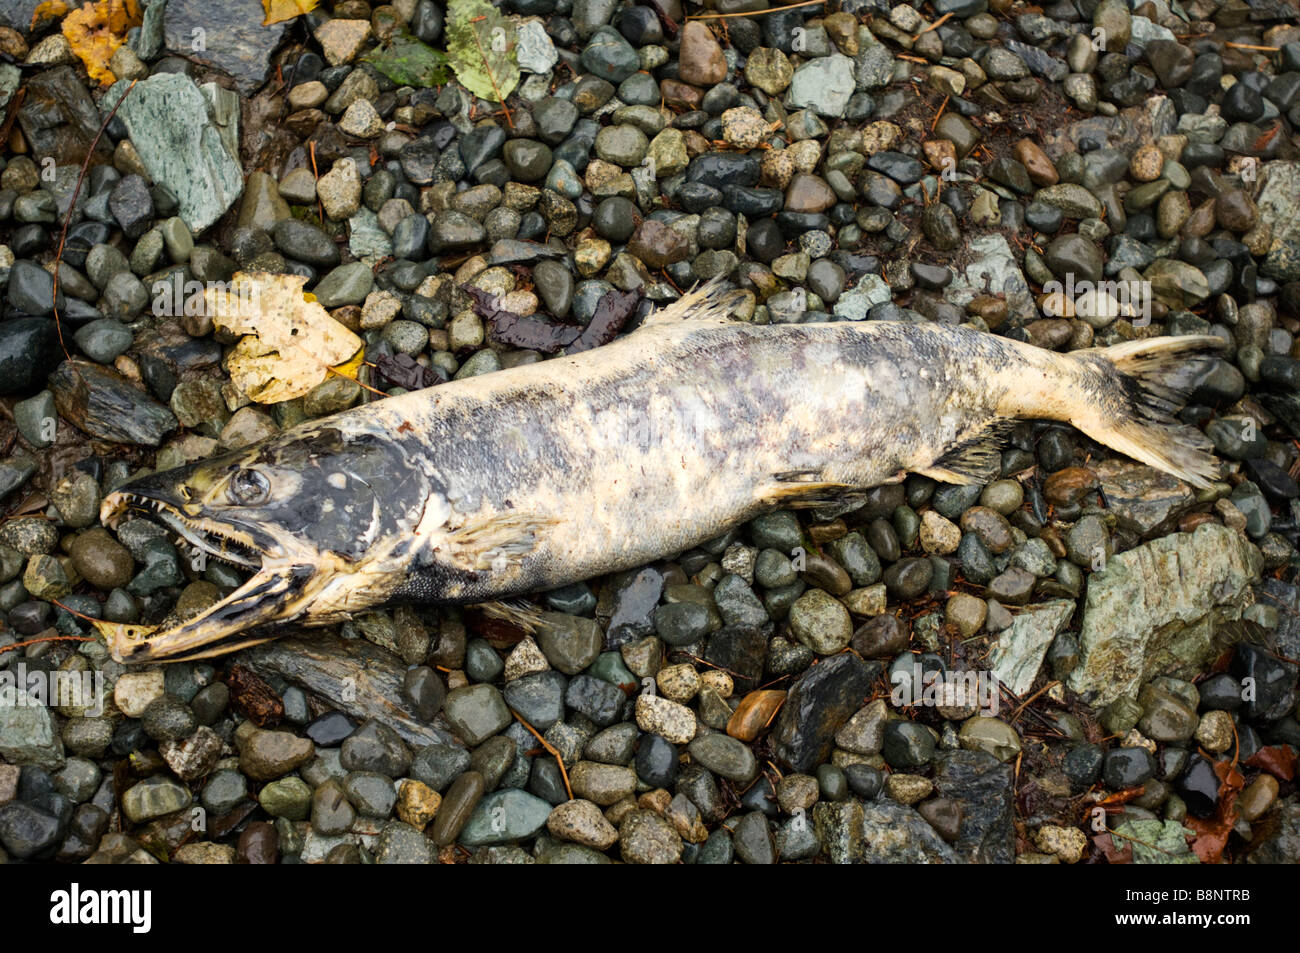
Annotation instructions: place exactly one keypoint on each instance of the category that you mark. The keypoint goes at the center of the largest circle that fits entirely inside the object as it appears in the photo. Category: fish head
(324, 518)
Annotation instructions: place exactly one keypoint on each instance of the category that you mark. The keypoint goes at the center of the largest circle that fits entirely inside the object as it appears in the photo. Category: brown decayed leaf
(277, 11)
(1212, 832)
(290, 344)
(95, 32)
(1277, 760)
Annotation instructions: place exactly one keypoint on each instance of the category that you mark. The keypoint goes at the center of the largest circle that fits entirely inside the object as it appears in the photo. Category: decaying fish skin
(549, 473)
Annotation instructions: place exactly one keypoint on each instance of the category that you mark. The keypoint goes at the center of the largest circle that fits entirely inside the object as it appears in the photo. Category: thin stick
(942, 106)
(933, 26)
(1248, 46)
(45, 638)
(549, 747)
(320, 208)
(67, 220)
(1016, 714)
(754, 13)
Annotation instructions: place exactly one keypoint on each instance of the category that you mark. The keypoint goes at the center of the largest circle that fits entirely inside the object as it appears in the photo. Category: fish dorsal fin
(701, 303)
(976, 459)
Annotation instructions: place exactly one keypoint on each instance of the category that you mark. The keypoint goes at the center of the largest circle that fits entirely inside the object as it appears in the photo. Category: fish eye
(250, 487)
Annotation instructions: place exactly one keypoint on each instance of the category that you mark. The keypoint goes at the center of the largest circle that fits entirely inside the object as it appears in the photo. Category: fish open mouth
(220, 541)
(277, 592)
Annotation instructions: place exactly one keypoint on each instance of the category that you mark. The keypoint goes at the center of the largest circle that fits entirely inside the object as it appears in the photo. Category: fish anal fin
(977, 459)
(792, 492)
(700, 303)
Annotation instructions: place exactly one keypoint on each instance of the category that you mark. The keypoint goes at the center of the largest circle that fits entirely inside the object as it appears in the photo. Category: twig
(550, 748)
(320, 209)
(942, 106)
(1025, 704)
(67, 220)
(45, 638)
(933, 26)
(754, 13)
(1249, 46)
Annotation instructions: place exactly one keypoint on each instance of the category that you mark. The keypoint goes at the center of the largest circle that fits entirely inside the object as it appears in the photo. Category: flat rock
(1020, 650)
(983, 787)
(878, 832)
(168, 119)
(234, 39)
(1157, 609)
(820, 702)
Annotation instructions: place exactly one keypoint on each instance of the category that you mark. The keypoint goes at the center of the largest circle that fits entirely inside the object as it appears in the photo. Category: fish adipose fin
(1148, 383)
(975, 460)
(495, 541)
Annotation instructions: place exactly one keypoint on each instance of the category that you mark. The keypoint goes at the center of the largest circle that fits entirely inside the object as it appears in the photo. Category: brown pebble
(754, 712)
(1041, 169)
(258, 844)
(1190, 521)
(880, 636)
(1068, 486)
(679, 95)
(700, 59)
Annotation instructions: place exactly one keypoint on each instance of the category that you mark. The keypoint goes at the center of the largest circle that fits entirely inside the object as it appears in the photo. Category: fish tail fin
(1135, 389)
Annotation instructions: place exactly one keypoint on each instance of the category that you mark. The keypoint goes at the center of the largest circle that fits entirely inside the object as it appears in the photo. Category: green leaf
(408, 62)
(1156, 842)
(481, 48)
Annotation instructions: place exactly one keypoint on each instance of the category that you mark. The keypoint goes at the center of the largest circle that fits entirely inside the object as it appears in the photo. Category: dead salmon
(545, 474)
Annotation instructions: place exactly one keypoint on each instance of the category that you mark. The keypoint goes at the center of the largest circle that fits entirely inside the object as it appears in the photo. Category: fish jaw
(275, 594)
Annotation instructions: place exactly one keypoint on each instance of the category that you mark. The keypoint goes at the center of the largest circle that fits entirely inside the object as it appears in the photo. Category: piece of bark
(353, 676)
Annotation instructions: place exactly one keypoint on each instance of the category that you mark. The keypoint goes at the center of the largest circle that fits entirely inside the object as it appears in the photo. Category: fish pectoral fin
(977, 459)
(496, 540)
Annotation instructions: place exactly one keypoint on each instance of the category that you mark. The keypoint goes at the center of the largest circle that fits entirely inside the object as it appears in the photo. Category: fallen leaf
(1114, 854)
(1156, 842)
(290, 344)
(97, 30)
(1212, 832)
(408, 62)
(46, 11)
(277, 11)
(1277, 760)
(481, 48)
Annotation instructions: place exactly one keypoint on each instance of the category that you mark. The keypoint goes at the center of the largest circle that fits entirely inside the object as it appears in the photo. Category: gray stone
(167, 118)
(1157, 609)
(825, 84)
(1020, 650)
(879, 832)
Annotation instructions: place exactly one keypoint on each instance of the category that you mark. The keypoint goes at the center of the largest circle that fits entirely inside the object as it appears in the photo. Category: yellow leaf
(48, 10)
(277, 11)
(349, 368)
(97, 30)
(290, 343)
